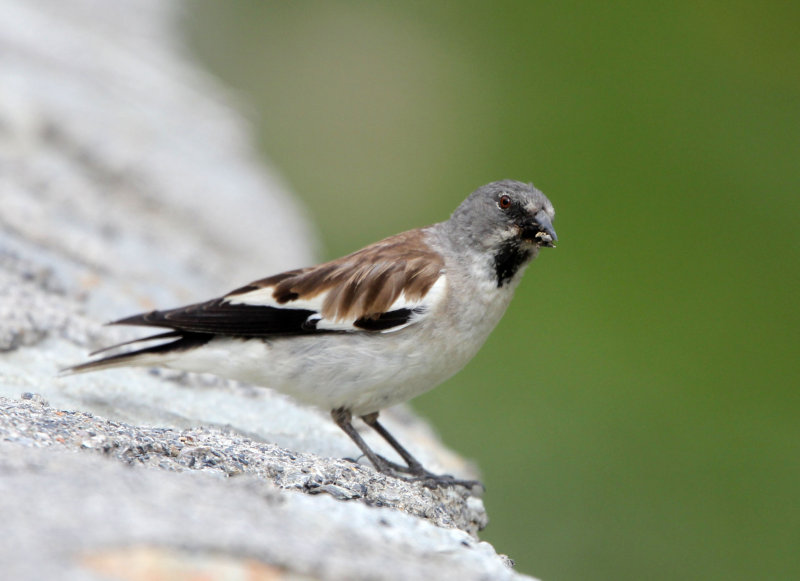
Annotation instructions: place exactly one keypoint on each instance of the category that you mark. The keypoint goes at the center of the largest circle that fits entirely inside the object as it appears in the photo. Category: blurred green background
(636, 414)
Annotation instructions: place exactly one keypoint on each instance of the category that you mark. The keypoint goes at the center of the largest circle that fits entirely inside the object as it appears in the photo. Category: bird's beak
(544, 234)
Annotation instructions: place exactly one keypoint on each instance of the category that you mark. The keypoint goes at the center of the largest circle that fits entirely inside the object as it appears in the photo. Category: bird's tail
(152, 355)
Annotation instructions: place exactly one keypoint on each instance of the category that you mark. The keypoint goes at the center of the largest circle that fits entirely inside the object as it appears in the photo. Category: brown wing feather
(362, 284)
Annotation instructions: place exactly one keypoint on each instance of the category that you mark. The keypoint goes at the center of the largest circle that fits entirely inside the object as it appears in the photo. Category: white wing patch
(263, 297)
(419, 308)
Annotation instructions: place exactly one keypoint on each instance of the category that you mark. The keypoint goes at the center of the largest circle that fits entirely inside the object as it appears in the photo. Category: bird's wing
(382, 288)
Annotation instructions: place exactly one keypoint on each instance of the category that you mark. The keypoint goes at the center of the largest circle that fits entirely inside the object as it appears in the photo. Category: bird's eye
(504, 202)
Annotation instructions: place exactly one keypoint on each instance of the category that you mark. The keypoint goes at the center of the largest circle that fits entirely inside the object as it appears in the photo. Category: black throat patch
(509, 259)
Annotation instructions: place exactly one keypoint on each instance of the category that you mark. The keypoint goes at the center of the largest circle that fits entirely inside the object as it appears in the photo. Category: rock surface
(127, 182)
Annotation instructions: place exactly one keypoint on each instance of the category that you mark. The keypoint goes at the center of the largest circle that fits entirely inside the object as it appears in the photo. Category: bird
(367, 331)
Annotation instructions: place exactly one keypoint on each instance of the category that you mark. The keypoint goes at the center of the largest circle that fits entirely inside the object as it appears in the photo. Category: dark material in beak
(545, 235)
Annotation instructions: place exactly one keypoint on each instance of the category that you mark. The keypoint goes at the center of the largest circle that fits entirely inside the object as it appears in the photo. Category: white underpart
(263, 297)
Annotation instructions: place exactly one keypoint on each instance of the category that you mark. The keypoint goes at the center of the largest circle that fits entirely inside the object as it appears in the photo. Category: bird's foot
(416, 473)
(430, 480)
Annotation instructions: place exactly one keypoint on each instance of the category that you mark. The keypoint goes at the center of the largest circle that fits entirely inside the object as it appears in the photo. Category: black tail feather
(167, 335)
(183, 341)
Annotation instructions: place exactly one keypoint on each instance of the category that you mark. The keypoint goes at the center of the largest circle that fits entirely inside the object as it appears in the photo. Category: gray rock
(72, 516)
(127, 182)
(32, 423)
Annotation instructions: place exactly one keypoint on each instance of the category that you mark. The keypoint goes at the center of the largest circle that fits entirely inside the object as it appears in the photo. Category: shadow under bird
(369, 330)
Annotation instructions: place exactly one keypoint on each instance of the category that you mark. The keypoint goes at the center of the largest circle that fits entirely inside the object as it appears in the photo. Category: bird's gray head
(509, 220)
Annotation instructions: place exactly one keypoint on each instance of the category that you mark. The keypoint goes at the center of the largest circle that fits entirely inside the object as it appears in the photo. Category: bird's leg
(414, 467)
(343, 418)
